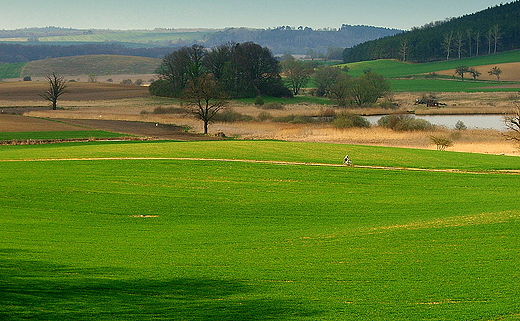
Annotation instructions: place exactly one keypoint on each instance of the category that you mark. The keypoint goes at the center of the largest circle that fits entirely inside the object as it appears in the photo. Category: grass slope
(246, 241)
(92, 65)
(393, 68)
(11, 70)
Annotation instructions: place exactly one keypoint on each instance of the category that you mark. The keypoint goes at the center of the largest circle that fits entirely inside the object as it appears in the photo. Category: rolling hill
(92, 65)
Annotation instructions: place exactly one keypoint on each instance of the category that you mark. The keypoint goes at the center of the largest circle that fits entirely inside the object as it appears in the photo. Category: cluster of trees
(462, 70)
(204, 78)
(240, 70)
(484, 32)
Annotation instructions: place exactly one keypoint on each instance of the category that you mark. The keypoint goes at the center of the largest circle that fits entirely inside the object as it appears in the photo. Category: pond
(449, 121)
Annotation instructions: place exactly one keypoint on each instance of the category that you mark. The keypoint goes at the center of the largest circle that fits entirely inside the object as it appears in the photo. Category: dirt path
(393, 168)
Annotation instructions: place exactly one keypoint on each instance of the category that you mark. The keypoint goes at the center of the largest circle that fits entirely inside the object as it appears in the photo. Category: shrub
(27, 78)
(294, 119)
(127, 82)
(346, 120)
(139, 82)
(169, 110)
(460, 125)
(230, 116)
(387, 104)
(441, 142)
(259, 101)
(162, 88)
(402, 122)
(263, 116)
(273, 106)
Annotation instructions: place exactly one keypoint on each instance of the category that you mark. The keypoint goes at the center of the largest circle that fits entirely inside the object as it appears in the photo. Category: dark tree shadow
(35, 290)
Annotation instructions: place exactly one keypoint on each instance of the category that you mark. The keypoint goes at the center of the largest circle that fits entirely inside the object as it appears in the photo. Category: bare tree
(57, 87)
(404, 49)
(495, 34)
(297, 74)
(477, 42)
(446, 44)
(512, 122)
(469, 34)
(461, 70)
(204, 98)
(495, 71)
(459, 43)
(474, 73)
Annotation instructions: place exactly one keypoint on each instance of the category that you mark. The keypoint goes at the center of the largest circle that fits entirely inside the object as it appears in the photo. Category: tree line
(303, 40)
(485, 32)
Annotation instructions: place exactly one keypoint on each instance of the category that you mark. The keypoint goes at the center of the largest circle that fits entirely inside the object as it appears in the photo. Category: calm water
(471, 121)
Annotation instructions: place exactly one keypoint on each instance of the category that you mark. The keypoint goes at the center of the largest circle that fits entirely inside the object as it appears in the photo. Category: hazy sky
(149, 14)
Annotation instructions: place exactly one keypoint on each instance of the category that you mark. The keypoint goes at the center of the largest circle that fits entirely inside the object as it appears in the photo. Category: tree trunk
(205, 127)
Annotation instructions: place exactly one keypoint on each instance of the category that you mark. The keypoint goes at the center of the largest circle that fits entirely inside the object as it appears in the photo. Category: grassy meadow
(394, 69)
(59, 135)
(184, 235)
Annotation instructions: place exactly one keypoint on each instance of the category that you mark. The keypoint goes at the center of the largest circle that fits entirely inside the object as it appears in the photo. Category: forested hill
(489, 31)
(303, 40)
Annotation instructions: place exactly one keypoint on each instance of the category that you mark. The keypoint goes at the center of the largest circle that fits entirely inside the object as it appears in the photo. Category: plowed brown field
(76, 91)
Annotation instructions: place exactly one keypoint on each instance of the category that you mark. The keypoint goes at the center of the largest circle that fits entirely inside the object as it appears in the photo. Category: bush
(460, 125)
(402, 122)
(294, 119)
(259, 101)
(263, 116)
(387, 104)
(169, 110)
(127, 82)
(272, 106)
(350, 120)
(230, 116)
(27, 78)
(162, 88)
(441, 142)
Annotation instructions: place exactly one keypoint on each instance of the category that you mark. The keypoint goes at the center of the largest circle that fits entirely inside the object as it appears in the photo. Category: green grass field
(58, 135)
(395, 69)
(448, 85)
(188, 239)
(11, 70)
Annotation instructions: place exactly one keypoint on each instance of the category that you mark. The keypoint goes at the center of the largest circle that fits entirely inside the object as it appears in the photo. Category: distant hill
(302, 40)
(489, 31)
(92, 65)
(23, 45)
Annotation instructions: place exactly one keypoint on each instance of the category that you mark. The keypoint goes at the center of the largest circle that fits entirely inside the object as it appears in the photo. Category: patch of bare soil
(510, 71)
(17, 123)
(76, 91)
(147, 129)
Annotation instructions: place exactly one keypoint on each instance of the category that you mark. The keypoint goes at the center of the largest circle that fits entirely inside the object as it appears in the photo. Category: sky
(217, 14)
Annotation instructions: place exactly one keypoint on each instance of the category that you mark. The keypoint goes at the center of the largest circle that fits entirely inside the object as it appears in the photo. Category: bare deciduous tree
(57, 87)
(495, 71)
(204, 98)
(512, 122)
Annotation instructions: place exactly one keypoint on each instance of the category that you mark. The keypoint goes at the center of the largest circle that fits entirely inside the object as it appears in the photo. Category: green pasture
(447, 85)
(59, 135)
(393, 68)
(188, 239)
(11, 70)
(132, 37)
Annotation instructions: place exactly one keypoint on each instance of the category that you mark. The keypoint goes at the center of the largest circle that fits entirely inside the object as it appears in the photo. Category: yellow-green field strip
(515, 172)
